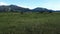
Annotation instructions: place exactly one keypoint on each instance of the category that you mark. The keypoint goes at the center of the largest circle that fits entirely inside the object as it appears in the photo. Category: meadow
(29, 23)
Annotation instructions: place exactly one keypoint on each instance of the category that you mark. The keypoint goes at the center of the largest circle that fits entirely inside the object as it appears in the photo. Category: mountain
(39, 9)
(17, 8)
(3, 8)
(14, 8)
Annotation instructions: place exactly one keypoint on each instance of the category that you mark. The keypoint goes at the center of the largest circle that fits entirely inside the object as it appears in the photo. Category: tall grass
(16, 23)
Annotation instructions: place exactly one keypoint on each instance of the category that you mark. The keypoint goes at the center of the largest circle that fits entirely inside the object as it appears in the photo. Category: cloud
(23, 6)
(53, 6)
(30, 7)
(3, 3)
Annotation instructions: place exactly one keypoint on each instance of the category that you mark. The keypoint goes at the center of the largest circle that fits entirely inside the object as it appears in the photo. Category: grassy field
(34, 23)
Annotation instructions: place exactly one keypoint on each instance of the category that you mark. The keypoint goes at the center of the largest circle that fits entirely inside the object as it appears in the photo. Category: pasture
(29, 23)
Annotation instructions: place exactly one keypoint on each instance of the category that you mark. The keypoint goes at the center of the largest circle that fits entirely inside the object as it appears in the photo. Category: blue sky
(50, 4)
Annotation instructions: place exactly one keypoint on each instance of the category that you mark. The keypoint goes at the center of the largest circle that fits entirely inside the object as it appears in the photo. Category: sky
(49, 4)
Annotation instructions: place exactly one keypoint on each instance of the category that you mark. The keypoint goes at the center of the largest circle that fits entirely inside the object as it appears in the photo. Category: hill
(15, 8)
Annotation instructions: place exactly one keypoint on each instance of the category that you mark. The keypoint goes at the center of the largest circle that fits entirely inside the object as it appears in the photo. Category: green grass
(34, 23)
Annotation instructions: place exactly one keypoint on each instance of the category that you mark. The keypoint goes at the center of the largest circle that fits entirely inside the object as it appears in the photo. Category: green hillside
(32, 23)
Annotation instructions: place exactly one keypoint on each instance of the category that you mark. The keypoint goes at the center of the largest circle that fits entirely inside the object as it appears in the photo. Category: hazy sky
(50, 4)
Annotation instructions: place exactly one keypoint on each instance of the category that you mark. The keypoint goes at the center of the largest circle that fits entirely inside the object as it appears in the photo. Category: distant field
(34, 23)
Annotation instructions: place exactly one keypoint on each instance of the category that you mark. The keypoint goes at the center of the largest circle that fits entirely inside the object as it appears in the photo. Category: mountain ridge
(15, 8)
